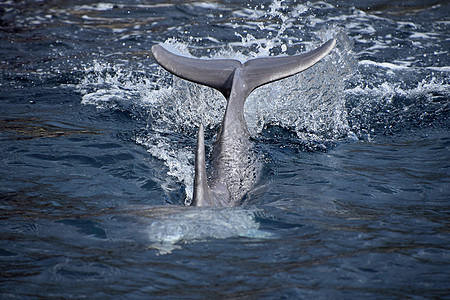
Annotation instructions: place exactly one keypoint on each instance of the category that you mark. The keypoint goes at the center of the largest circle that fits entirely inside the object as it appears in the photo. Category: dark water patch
(4, 252)
(86, 227)
(402, 9)
(31, 128)
(287, 140)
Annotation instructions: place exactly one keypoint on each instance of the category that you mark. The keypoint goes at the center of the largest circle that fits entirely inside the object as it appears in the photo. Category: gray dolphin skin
(234, 168)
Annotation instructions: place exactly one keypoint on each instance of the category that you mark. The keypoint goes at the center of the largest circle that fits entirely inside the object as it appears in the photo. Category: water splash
(311, 104)
(391, 107)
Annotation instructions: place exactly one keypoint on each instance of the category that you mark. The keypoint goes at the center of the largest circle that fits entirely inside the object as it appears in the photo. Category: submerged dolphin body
(233, 167)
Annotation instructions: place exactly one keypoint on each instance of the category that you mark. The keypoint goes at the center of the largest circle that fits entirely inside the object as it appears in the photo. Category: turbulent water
(98, 145)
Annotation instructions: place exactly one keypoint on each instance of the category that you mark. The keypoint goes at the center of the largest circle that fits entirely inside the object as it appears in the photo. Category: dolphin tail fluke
(202, 192)
(219, 73)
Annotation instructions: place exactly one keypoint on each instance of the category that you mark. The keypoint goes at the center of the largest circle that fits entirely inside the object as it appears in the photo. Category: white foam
(423, 35)
(383, 65)
(440, 69)
(386, 91)
(178, 161)
(101, 6)
(206, 5)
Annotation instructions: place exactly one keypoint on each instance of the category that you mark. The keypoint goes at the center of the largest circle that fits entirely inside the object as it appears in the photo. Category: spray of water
(312, 104)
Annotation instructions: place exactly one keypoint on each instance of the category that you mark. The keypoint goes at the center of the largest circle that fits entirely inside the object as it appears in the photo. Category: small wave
(383, 65)
(423, 35)
(440, 69)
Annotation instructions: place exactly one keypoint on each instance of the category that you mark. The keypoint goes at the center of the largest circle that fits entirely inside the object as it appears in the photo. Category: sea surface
(97, 148)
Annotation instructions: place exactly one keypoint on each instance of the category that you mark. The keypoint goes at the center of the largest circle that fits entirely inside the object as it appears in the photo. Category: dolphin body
(234, 169)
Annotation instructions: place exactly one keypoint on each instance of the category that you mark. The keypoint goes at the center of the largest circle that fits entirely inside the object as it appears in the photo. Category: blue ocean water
(97, 147)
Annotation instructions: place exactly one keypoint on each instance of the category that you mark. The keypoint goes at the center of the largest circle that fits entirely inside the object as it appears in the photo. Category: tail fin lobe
(215, 73)
(260, 71)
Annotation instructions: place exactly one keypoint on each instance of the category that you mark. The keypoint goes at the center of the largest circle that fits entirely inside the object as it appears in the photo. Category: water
(97, 152)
